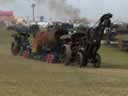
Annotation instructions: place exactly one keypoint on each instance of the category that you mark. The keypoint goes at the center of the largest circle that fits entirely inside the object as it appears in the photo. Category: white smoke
(57, 9)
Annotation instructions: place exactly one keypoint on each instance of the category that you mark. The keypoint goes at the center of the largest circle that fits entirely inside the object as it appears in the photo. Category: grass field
(20, 77)
(122, 37)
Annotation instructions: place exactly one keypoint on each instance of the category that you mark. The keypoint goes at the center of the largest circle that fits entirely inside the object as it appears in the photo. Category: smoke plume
(57, 9)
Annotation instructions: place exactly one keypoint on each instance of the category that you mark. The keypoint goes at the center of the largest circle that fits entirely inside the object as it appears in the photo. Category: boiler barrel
(50, 37)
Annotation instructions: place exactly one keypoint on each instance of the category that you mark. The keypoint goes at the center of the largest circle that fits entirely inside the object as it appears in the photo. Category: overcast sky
(91, 9)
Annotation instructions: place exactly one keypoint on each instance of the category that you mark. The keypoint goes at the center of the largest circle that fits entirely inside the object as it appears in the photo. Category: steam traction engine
(89, 44)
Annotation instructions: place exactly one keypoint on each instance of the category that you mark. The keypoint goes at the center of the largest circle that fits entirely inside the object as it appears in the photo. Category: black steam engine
(83, 49)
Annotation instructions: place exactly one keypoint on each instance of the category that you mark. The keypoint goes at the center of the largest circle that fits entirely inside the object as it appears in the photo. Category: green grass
(114, 58)
(122, 37)
(20, 77)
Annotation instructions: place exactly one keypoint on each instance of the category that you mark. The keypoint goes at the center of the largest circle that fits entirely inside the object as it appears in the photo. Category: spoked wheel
(97, 62)
(14, 49)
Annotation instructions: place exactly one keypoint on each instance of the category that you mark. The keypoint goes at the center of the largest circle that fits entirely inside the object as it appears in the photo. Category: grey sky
(91, 9)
